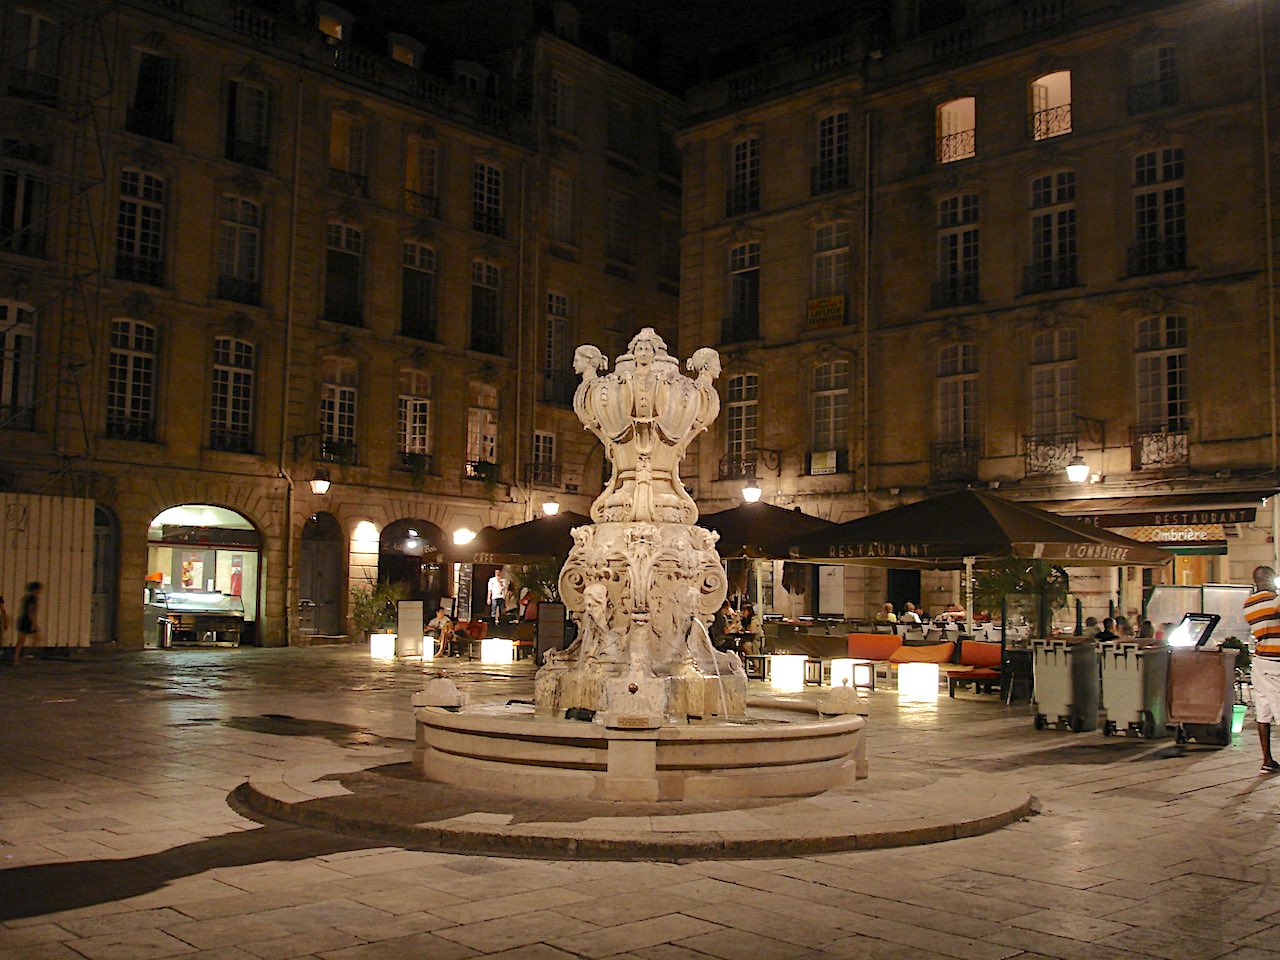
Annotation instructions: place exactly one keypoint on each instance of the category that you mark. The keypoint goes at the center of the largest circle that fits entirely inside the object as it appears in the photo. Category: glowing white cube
(382, 646)
(786, 671)
(497, 650)
(856, 673)
(918, 682)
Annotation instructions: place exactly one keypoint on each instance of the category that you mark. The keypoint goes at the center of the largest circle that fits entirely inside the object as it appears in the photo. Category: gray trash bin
(1134, 684)
(1067, 689)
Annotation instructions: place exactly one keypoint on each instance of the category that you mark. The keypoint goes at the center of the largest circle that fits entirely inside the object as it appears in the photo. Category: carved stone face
(644, 353)
(583, 362)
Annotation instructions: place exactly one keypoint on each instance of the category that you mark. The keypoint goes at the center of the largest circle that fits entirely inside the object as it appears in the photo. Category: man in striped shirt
(1262, 612)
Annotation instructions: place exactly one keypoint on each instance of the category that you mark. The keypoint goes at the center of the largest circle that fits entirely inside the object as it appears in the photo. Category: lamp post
(751, 491)
(1093, 430)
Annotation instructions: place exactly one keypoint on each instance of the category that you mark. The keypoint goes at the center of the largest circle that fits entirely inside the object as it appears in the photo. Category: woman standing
(28, 618)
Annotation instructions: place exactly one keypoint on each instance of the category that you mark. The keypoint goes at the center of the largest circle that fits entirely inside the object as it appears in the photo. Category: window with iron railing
(486, 199)
(339, 395)
(17, 366)
(150, 112)
(239, 249)
(743, 195)
(831, 172)
(956, 130)
(24, 205)
(957, 281)
(743, 320)
(422, 178)
(1050, 115)
(414, 419)
(486, 307)
(231, 394)
(418, 292)
(31, 52)
(1053, 233)
(742, 395)
(248, 111)
(131, 381)
(343, 280)
(1155, 79)
(1159, 212)
(140, 227)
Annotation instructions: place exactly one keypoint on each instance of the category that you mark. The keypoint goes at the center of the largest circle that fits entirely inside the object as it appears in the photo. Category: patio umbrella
(958, 530)
(537, 539)
(759, 531)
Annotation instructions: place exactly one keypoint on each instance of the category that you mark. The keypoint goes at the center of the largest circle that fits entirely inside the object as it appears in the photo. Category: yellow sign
(825, 312)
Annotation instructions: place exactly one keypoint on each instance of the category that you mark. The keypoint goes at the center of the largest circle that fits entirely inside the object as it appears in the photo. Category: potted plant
(1041, 585)
(373, 607)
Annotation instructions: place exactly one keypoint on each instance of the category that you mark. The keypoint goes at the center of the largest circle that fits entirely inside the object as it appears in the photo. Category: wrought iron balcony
(419, 464)
(421, 204)
(231, 441)
(1153, 95)
(141, 429)
(25, 241)
(737, 466)
(484, 222)
(955, 291)
(130, 266)
(337, 451)
(954, 460)
(485, 470)
(347, 314)
(1159, 448)
(740, 329)
(250, 154)
(17, 417)
(354, 184)
(957, 146)
(149, 123)
(543, 474)
(1048, 454)
(239, 291)
(32, 85)
(1155, 256)
(826, 177)
(487, 341)
(742, 199)
(1052, 122)
(558, 387)
(1049, 275)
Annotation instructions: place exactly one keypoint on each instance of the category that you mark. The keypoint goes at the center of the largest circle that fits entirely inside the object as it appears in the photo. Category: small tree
(1039, 582)
(373, 608)
(542, 579)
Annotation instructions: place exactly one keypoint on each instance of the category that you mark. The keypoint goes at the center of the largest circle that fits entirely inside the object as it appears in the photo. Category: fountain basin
(533, 756)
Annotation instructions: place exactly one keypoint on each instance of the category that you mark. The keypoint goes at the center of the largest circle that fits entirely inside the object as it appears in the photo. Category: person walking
(1262, 613)
(497, 595)
(28, 618)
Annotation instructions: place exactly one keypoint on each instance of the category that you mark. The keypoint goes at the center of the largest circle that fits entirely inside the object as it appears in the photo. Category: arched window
(1050, 97)
(957, 129)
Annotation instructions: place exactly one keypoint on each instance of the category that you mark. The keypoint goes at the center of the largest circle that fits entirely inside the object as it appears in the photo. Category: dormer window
(566, 21)
(471, 76)
(405, 49)
(333, 22)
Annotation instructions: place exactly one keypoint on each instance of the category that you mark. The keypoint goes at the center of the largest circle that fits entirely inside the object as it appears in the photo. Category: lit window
(1050, 105)
(956, 130)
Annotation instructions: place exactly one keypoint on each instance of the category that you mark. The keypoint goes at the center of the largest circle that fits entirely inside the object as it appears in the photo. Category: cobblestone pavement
(117, 841)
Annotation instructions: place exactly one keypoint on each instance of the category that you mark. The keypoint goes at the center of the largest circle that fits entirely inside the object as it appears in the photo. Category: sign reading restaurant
(874, 548)
(1171, 518)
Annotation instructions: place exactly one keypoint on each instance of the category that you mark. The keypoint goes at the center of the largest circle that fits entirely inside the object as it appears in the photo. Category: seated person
(752, 630)
(720, 633)
(952, 613)
(910, 615)
(886, 615)
(440, 629)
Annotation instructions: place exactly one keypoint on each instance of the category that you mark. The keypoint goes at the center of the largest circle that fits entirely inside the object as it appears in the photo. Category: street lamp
(1077, 469)
(751, 492)
(1095, 431)
(320, 481)
(550, 506)
(463, 535)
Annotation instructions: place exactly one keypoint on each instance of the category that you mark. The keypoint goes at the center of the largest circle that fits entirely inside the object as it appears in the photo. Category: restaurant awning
(542, 538)
(759, 530)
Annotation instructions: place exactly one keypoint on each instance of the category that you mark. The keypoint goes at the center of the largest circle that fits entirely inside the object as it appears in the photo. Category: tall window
(482, 432)
(1050, 105)
(669, 247)
(743, 322)
(1155, 79)
(1053, 232)
(557, 380)
(343, 281)
(1159, 212)
(957, 251)
(248, 107)
(562, 104)
(742, 393)
(618, 228)
(1054, 389)
(418, 292)
(232, 395)
(31, 51)
(1162, 374)
(956, 412)
(560, 208)
(414, 420)
(24, 199)
(831, 259)
(347, 154)
(140, 225)
(544, 458)
(17, 366)
(239, 250)
(619, 128)
(486, 307)
(150, 112)
(486, 199)
(832, 169)
(957, 130)
(131, 381)
(339, 384)
(422, 179)
(744, 178)
(831, 406)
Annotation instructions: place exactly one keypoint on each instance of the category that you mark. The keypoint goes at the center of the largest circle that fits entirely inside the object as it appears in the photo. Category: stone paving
(117, 839)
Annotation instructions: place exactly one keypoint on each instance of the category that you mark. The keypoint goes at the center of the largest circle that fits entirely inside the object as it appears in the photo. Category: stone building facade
(247, 246)
(971, 243)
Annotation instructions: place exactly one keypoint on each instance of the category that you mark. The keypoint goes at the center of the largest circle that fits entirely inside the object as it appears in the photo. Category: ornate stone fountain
(640, 581)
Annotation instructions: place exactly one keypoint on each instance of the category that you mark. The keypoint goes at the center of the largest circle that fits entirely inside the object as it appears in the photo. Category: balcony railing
(1049, 275)
(337, 451)
(742, 199)
(1158, 448)
(250, 154)
(130, 266)
(141, 429)
(826, 177)
(30, 85)
(17, 417)
(484, 222)
(254, 23)
(1052, 122)
(543, 474)
(149, 123)
(1048, 454)
(421, 204)
(1153, 95)
(26, 242)
(955, 291)
(739, 329)
(954, 460)
(558, 387)
(487, 341)
(231, 441)
(485, 470)
(957, 146)
(239, 291)
(419, 464)
(737, 466)
(347, 314)
(1155, 256)
(354, 184)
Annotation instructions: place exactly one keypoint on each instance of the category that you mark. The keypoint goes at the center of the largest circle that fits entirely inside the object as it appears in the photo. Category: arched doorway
(106, 572)
(320, 576)
(203, 582)
(411, 552)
